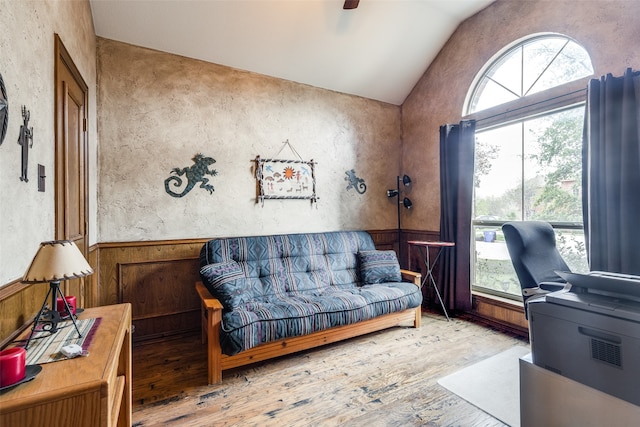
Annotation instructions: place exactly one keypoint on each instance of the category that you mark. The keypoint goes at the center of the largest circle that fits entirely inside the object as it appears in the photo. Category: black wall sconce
(406, 202)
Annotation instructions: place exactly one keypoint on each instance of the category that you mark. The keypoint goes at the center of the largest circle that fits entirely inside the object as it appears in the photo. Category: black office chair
(535, 257)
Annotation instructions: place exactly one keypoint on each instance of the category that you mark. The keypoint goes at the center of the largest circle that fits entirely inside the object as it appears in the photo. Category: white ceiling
(378, 51)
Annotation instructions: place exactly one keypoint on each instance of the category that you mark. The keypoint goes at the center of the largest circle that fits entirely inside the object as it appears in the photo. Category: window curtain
(611, 173)
(457, 146)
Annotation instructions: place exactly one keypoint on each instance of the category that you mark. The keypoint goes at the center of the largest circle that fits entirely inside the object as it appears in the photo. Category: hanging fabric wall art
(286, 179)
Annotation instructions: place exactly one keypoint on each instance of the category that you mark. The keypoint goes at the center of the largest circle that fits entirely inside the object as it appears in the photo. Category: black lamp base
(49, 317)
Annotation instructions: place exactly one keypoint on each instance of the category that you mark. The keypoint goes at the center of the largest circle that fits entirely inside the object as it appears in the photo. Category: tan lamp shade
(57, 260)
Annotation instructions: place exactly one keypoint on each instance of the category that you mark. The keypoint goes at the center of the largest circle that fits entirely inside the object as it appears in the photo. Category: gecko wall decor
(355, 182)
(194, 174)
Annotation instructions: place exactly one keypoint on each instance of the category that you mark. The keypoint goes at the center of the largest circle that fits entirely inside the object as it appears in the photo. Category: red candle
(12, 365)
(60, 308)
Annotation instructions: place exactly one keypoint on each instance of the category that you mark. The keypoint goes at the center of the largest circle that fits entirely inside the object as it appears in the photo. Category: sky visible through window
(528, 68)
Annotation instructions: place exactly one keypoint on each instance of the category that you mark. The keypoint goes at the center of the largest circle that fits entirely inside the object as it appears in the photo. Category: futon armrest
(211, 311)
(209, 302)
(412, 276)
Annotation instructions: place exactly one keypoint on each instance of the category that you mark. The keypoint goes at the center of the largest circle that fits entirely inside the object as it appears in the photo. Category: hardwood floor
(386, 378)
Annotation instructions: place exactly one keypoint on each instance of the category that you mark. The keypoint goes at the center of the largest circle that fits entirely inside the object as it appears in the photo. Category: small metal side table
(424, 250)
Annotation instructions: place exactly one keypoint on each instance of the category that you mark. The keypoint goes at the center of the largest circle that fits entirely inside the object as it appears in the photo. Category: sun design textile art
(285, 179)
(290, 172)
(290, 181)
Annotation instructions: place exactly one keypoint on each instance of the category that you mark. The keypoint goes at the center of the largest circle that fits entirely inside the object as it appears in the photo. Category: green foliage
(560, 155)
(573, 251)
(497, 275)
(484, 156)
(554, 193)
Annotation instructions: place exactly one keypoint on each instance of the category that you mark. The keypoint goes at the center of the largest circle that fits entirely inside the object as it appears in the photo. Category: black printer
(590, 332)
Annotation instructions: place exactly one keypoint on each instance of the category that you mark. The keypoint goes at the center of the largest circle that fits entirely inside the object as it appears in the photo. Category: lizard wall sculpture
(195, 174)
(355, 182)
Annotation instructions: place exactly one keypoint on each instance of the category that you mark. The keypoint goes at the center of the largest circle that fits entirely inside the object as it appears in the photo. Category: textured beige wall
(157, 110)
(609, 30)
(27, 66)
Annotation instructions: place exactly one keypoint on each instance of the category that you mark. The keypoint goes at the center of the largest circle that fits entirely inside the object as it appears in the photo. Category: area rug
(492, 385)
(46, 347)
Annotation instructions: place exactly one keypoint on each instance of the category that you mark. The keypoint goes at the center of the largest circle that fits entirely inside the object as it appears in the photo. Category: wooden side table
(85, 391)
(424, 250)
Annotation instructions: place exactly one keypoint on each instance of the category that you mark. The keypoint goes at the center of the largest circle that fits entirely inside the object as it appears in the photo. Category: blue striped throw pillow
(379, 267)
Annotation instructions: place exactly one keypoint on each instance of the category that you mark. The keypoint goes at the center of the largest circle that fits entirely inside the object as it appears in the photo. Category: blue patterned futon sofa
(271, 295)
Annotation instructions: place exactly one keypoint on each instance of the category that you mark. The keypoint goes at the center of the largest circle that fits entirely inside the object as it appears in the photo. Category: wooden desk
(424, 250)
(85, 391)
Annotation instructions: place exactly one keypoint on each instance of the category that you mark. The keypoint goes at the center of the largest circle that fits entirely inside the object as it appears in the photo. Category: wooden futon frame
(211, 310)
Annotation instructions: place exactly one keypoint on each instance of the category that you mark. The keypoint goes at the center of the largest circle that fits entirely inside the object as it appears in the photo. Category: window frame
(568, 95)
(497, 57)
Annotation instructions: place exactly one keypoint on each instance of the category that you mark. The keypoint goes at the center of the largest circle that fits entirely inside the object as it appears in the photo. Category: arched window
(531, 66)
(529, 105)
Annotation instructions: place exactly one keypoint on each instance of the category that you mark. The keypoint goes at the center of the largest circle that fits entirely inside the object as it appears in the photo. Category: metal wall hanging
(286, 179)
(26, 140)
(4, 110)
(355, 182)
(195, 174)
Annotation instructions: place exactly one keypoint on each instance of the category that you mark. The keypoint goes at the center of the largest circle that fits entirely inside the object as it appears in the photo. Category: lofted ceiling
(378, 50)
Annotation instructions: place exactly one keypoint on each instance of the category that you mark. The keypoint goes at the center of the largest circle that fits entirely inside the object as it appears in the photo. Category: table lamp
(55, 261)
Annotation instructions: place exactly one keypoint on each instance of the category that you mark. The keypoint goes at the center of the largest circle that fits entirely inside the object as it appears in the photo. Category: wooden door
(71, 177)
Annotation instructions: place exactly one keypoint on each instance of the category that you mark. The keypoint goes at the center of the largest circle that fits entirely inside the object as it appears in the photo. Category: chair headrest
(533, 251)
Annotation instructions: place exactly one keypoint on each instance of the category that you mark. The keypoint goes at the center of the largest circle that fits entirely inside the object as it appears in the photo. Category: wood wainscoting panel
(385, 239)
(500, 312)
(19, 304)
(158, 279)
(114, 254)
(162, 296)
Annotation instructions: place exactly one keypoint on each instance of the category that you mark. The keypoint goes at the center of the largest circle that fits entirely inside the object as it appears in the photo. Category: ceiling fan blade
(350, 4)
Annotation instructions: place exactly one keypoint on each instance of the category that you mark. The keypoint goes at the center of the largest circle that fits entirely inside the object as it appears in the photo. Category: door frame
(62, 58)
